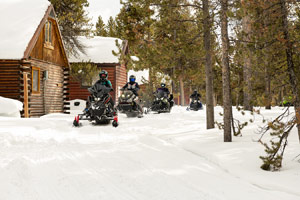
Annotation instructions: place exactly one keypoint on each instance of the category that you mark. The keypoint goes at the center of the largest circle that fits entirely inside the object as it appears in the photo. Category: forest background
(234, 52)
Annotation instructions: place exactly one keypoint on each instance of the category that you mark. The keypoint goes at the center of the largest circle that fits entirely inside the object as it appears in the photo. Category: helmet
(163, 85)
(103, 75)
(132, 78)
(195, 91)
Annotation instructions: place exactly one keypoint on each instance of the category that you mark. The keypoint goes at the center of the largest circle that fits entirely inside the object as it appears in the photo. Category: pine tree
(111, 28)
(247, 54)
(169, 42)
(207, 24)
(226, 72)
(100, 28)
(73, 22)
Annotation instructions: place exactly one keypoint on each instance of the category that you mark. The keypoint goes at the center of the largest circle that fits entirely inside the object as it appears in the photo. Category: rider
(195, 95)
(134, 87)
(103, 81)
(167, 92)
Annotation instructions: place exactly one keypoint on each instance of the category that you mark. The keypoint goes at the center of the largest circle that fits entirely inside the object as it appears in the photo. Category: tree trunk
(226, 72)
(267, 58)
(210, 121)
(215, 99)
(151, 79)
(290, 63)
(181, 83)
(247, 61)
(237, 100)
(268, 90)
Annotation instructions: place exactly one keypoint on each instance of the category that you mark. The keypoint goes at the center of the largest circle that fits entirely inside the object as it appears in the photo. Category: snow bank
(77, 106)
(10, 107)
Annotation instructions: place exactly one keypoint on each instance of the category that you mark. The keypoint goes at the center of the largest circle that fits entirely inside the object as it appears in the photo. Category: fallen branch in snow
(297, 157)
(279, 131)
(265, 129)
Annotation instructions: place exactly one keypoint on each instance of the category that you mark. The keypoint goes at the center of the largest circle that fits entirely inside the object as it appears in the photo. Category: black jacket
(195, 96)
(133, 86)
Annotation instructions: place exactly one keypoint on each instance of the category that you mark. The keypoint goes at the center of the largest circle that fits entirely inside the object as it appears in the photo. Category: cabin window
(35, 80)
(48, 36)
(48, 27)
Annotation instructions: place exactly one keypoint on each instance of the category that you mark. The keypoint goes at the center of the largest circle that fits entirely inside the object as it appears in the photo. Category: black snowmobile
(161, 103)
(99, 108)
(127, 104)
(195, 104)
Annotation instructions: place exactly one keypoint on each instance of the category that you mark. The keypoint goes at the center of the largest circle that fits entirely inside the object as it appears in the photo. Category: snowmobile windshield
(99, 90)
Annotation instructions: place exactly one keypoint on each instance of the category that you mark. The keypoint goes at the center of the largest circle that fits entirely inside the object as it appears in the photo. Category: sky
(105, 8)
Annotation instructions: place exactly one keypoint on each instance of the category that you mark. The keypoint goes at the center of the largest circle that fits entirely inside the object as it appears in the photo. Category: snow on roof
(98, 50)
(19, 20)
(10, 107)
(140, 75)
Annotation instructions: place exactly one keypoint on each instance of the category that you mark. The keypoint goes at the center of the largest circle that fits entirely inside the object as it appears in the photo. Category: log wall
(121, 78)
(77, 91)
(50, 99)
(10, 79)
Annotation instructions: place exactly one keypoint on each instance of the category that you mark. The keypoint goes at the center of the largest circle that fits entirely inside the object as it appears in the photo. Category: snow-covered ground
(158, 157)
(10, 107)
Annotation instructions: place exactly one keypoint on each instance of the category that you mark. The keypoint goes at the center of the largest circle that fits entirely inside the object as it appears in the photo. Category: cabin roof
(19, 22)
(98, 50)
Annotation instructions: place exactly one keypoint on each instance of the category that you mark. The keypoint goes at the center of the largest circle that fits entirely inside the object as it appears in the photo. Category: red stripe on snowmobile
(107, 100)
(116, 118)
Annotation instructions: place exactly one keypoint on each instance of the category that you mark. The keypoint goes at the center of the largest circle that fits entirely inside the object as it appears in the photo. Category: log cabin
(33, 61)
(99, 52)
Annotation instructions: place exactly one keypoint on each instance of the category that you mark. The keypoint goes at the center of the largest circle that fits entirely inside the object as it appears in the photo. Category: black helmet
(163, 85)
(103, 75)
(132, 78)
(195, 91)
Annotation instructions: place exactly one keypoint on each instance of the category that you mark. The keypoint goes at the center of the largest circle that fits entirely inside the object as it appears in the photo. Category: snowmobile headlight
(162, 98)
(165, 100)
(123, 95)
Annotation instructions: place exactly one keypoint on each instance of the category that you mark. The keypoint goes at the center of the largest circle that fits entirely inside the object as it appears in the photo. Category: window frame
(39, 80)
(48, 34)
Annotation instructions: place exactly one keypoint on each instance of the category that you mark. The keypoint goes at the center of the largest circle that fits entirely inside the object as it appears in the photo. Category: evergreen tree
(226, 72)
(168, 42)
(73, 22)
(100, 28)
(111, 27)
(207, 24)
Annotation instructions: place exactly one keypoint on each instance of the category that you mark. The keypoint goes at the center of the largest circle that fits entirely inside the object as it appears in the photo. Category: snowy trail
(166, 156)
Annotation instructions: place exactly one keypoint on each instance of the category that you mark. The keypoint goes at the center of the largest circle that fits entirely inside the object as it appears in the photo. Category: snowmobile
(195, 105)
(127, 104)
(161, 103)
(99, 109)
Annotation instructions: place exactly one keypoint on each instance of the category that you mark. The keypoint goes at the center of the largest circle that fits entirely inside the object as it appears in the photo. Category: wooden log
(26, 114)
